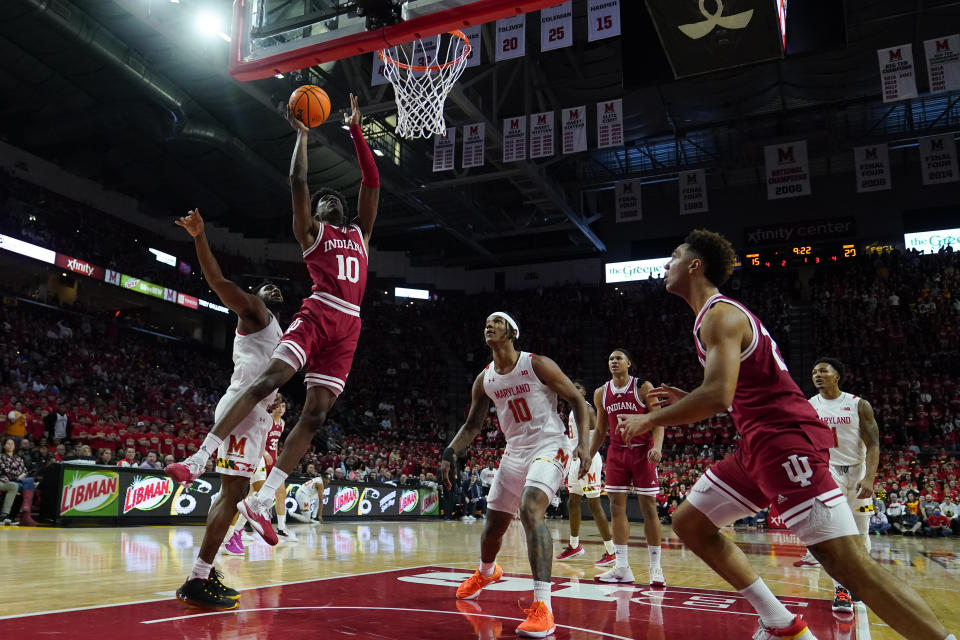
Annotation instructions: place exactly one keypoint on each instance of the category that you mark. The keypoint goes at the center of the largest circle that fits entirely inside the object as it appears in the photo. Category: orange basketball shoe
(539, 622)
(472, 586)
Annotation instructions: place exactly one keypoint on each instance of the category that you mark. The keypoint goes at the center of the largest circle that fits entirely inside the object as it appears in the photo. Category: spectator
(928, 506)
(487, 476)
(17, 423)
(473, 499)
(105, 456)
(151, 462)
(879, 524)
(909, 523)
(13, 478)
(938, 524)
(83, 455)
(168, 459)
(129, 458)
(895, 509)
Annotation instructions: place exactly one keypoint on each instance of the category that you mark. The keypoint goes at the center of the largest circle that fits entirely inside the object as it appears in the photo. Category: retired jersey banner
(872, 163)
(629, 207)
(473, 142)
(378, 75)
(474, 35)
(943, 63)
(603, 19)
(938, 159)
(896, 73)
(556, 27)
(610, 124)
(112, 277)
(574, 122)
(788, 173)
(541, 135)
(693, 191)
(511, 41)
(515, 139)
(443, 150)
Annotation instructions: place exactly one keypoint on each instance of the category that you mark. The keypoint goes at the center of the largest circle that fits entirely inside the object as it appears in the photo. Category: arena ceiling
(127, 93)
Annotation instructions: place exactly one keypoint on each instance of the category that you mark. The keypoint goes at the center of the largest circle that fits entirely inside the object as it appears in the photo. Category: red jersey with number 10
(337, 263)
(767, 401)
(624, 401)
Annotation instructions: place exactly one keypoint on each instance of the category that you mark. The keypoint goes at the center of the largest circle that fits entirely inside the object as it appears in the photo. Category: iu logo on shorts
(798, 470)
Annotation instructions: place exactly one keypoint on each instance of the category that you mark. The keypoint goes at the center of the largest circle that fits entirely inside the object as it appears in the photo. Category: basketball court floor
(397, 580)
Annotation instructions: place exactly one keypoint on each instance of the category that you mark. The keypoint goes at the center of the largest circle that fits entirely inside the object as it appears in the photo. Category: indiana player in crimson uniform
(323, 335)
(782, 456)
(631, 468)
(524, 388)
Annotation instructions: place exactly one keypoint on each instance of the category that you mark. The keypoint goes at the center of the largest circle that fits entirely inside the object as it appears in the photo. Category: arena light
(165, 258)
(932, 241)
(419, 294)
(209, 23)
(27, 249)
(635, 270)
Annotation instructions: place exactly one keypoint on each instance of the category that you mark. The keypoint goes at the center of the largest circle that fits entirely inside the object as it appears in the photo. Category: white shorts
(260, 475)
(241, 452)
(847, 478)
(589, 485)
(543, 466)
(309, 494)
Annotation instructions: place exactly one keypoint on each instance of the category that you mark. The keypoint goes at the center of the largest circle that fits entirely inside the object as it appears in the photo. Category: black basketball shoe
(205, 594)
(216, 577)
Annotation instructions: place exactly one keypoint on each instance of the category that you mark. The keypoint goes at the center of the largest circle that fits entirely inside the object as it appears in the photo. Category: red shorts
(629, 471)
(323, 340)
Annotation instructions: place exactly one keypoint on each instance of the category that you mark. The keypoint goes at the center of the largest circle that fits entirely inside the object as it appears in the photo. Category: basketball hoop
(421, 80)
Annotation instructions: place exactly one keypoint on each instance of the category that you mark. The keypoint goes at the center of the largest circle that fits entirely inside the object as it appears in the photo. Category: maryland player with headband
(524, 388)
(782, 456)
(588, 486)
(631, 467)
(323, 335)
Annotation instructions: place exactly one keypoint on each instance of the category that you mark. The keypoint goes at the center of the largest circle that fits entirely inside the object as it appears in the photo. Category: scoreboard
(799, 255)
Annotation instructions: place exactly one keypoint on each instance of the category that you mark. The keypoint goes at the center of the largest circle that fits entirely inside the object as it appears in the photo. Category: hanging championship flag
(574, 122)
(473, 142)
(541, 135)
(112, 277)
(610, 124)
(693, 191)
(788, 174)
(873, 168)
(378, 76)
(443, 150)
(629, 208)
(556, 27)
(474, 35)
(603, 19)
(515, 139)
(896, 73)
(938, 159)
(511, 39)
(943, 63)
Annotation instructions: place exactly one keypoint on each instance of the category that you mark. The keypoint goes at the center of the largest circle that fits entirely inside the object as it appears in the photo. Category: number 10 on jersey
(520, 410)
(348, 267)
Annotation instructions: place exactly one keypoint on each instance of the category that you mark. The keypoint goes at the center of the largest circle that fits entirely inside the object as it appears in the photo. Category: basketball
(310, 105)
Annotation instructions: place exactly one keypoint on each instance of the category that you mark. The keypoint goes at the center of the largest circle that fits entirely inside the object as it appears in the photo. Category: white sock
(201, 569)
(773, 614)
(608, 545)
(623, 559)
(654, 553)
(269, 489)
(574, 542)
(541, 592)
(241, 520)
(210, 445)
(281, 520)
(486, 569)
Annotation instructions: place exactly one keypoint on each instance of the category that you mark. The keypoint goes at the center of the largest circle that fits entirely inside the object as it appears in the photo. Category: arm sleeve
(368, 168)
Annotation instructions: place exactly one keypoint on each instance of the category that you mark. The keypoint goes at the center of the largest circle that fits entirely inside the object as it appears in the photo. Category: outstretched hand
(664, 395)
(298, 126)
(192, 222)
(353, 117)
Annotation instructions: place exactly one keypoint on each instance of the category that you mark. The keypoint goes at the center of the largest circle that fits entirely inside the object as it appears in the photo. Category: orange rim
(433, 67)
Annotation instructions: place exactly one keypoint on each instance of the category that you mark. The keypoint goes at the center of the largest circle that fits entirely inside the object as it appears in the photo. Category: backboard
(278, 36)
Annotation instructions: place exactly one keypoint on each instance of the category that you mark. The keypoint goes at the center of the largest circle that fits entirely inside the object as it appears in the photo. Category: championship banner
(788, 174)
(556, 27)
(79, 266)
(378, 73)
(515, 139)
(693, 191)
(938, 159)
(170, 295)
(943, 63)
(112, 277)
(610, 123)
(443, 147)
(141, 286)
(541, 135)
(574, 123)
(872, 163)
(896, 73)
(629, 206)
(473, 145)
(603, 19)
(511, 38)
(474, 35)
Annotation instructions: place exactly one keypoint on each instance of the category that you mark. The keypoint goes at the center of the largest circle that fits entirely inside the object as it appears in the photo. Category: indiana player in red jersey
(323, 335)
(782, 456)
(630, 468)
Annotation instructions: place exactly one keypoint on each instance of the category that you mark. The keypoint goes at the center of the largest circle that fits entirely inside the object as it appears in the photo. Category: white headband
(506, 316)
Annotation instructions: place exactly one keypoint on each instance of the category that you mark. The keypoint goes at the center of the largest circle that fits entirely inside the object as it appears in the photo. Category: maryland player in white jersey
(588, 486)
(524, 388)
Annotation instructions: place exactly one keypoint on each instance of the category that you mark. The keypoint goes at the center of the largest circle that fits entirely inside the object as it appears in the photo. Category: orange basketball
(310, 105)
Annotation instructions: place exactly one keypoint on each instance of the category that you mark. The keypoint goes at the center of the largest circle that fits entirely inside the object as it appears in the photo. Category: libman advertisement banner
(409, 501)
(89, 493)
(429, 502)
(147, 493)
(141, 286)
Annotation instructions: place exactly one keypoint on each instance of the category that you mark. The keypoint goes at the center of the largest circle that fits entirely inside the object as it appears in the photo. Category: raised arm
(551, 375)
(870, 434)
(305, 227)
(368, 199)
(479, 405)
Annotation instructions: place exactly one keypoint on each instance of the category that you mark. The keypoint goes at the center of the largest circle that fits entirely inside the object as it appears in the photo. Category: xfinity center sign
(932, 241)
(636, 270)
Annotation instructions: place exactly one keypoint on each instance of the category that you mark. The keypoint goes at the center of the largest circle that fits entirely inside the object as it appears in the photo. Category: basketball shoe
(616, 574)
(570, 552)
(216, 577)
(286, 536)
(234, 546)
(472, 586)
(806, 561)
(656, 577)
(842, 602)
(258, 515)
(205, 594)
(184, 473)
(606, 560)
(486, 627)
(539, 622)
(796, 631)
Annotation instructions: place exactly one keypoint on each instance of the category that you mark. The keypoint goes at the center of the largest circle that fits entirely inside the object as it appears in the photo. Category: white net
(422, 73)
